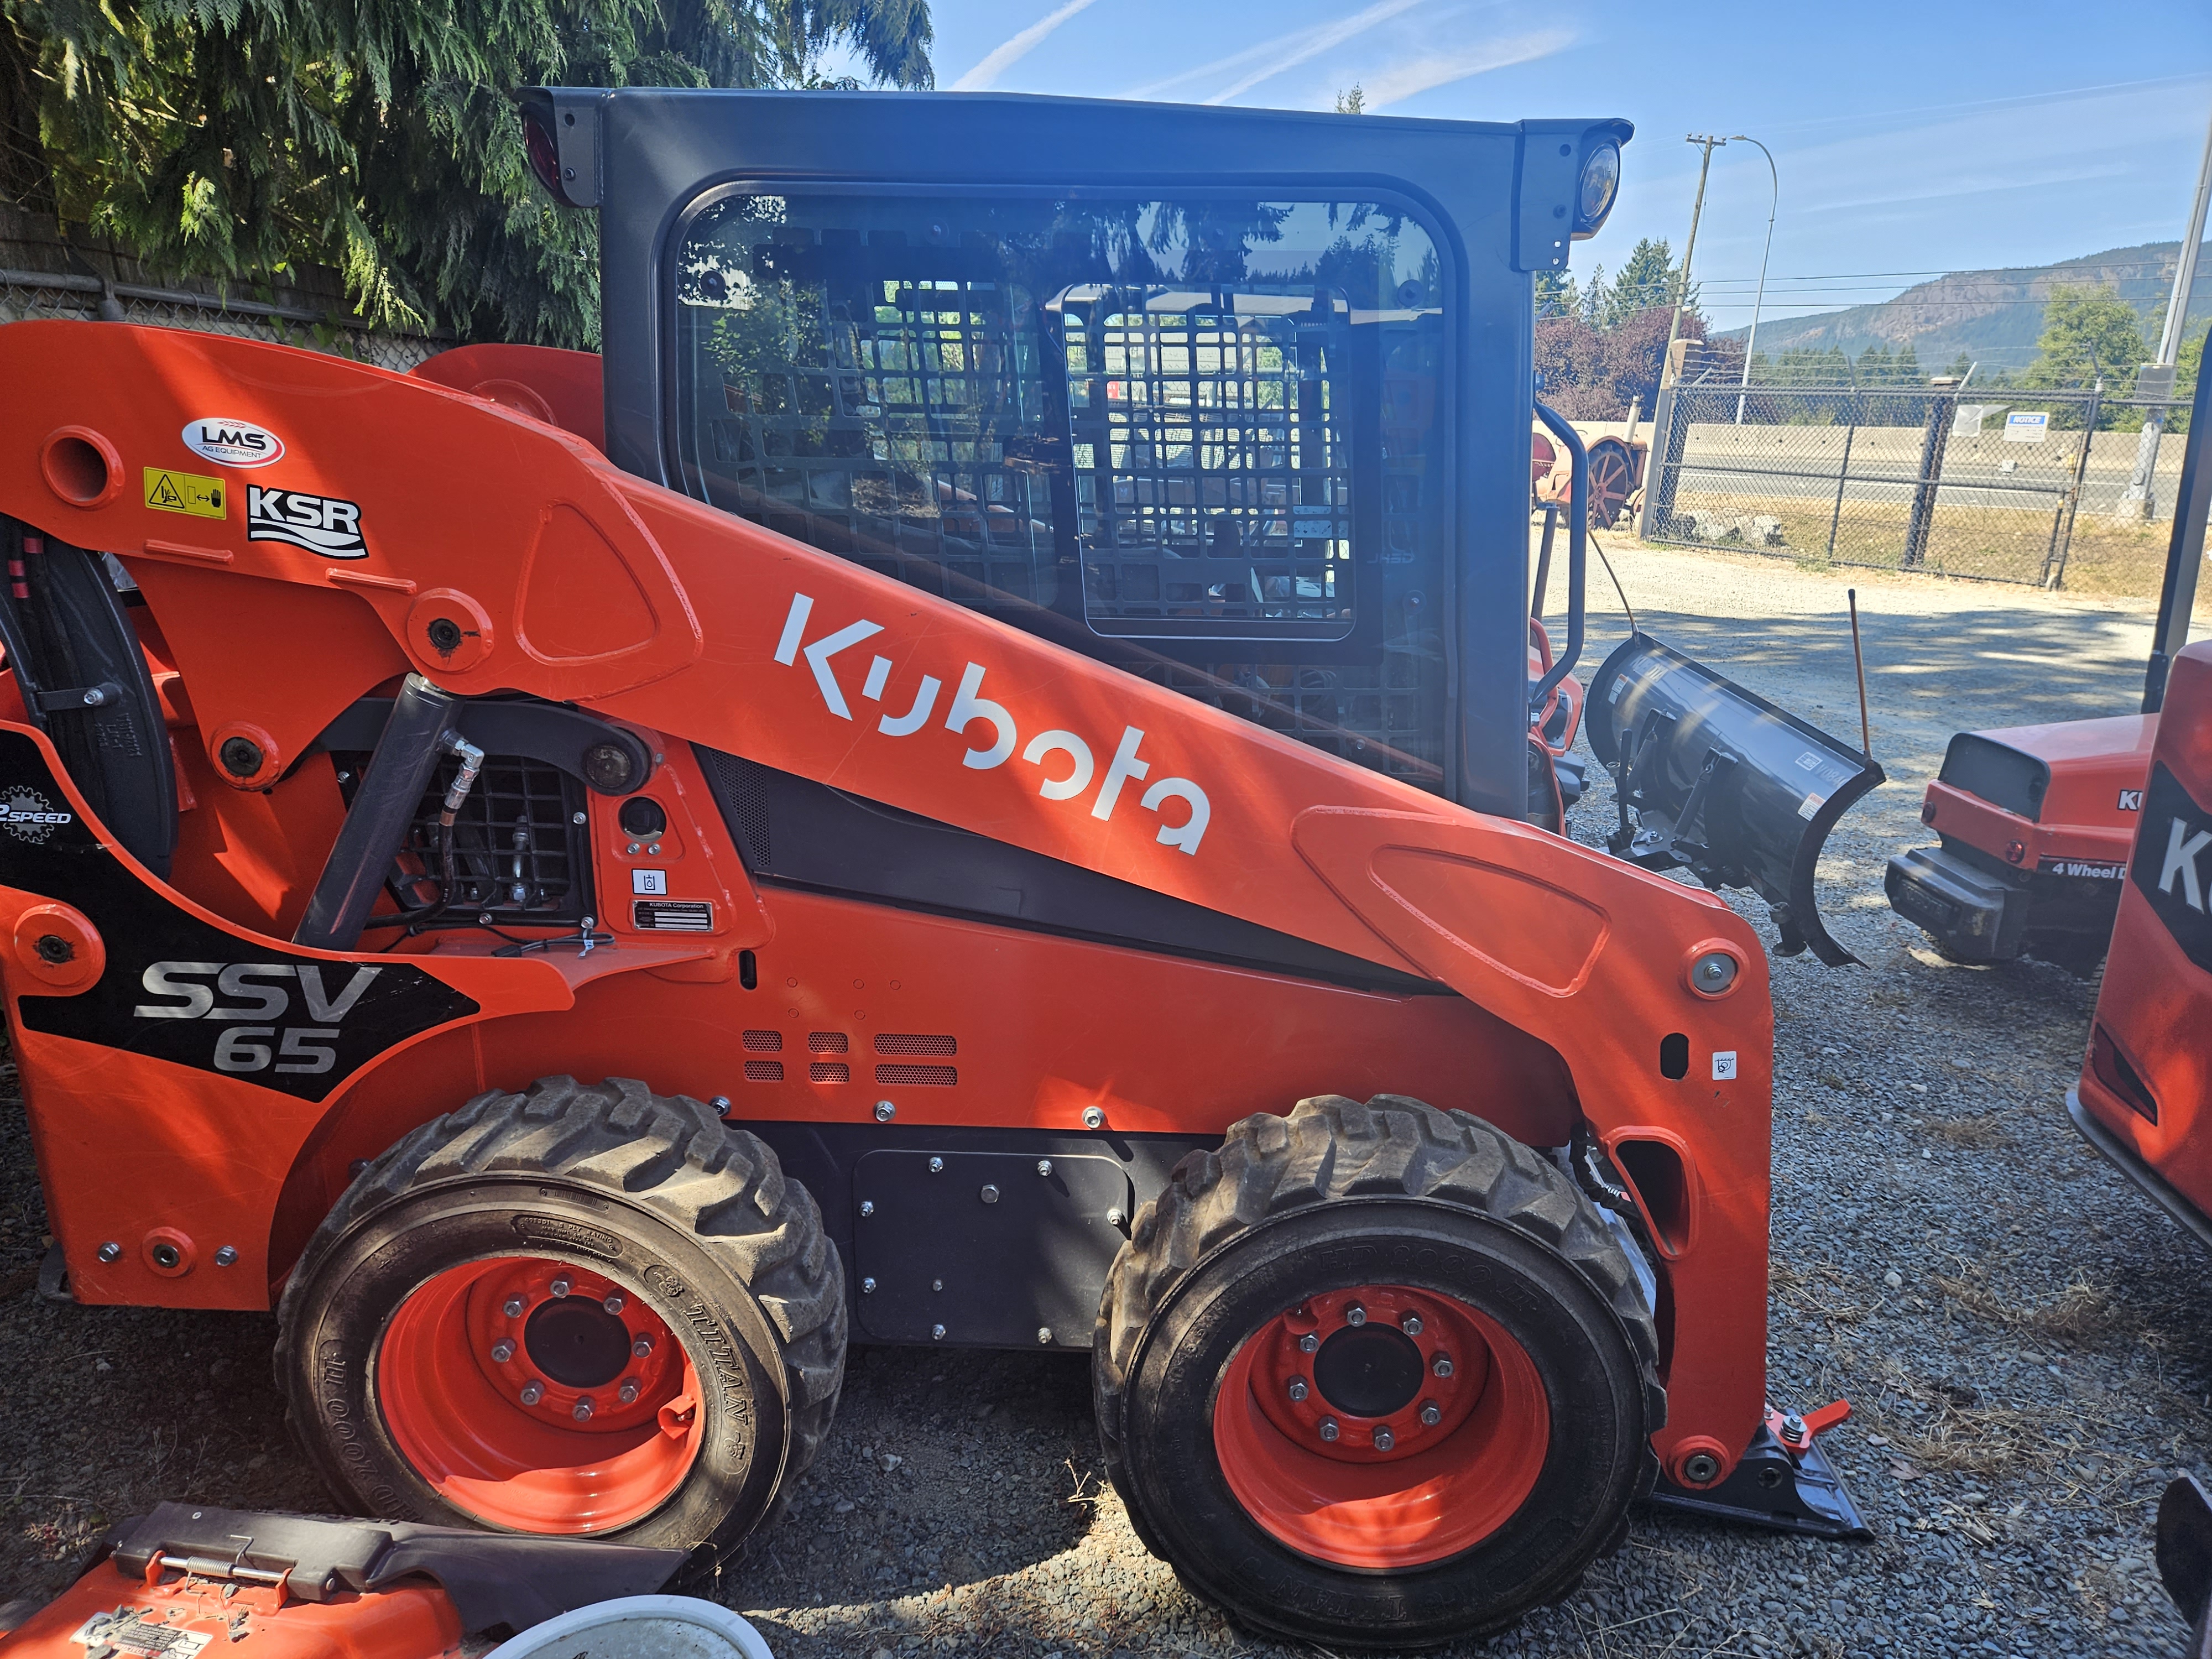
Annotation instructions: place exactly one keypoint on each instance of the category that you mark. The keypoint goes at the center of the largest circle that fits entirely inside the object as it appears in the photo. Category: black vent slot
(518, 853)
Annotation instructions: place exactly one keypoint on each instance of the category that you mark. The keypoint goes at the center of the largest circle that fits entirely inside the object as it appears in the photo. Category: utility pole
(1690, 249)
(1759, 301)
(1663, 423)
(2156, 380)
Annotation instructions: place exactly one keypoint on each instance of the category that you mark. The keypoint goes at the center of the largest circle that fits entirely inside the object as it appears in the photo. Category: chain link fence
(2001, 485)
(25, 294)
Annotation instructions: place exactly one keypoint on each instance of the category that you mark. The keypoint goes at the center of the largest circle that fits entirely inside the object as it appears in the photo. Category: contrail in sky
(1311, 45)
(1010, 52)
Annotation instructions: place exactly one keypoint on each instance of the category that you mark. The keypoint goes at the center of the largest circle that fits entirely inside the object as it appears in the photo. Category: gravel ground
(2021, 1334)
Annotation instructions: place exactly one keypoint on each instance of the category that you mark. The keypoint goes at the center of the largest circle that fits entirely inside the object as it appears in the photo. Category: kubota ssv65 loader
(968, 786)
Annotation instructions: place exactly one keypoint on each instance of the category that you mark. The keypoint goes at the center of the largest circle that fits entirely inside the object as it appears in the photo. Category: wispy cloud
(1401, 80)
(1303, 48)
(1011, 51)
(1235, 60)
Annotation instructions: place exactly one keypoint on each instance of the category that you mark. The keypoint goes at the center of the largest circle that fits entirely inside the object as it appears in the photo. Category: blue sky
(1944, 135)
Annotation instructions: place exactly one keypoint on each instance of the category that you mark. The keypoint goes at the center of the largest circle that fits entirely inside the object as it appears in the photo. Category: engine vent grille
(828, 1071)
(915, 1043)
(919, 1077)
(763, 1071)
(518, 855)
(764, 1043)
(828, 1042)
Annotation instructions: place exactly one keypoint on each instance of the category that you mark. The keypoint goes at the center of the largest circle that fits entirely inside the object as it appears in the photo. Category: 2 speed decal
(320, 524)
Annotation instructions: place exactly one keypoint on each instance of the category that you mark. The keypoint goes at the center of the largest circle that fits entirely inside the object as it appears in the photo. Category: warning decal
(672, 915)
(170, 491)
(127, 1630)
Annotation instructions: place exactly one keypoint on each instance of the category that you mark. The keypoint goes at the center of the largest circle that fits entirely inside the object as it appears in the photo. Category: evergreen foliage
(239, 138)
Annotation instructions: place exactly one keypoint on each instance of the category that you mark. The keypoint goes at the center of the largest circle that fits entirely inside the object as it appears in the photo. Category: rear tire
(577, 1309)
(1315, 1498)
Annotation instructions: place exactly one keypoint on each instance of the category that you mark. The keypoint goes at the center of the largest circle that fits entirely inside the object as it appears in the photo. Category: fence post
(1943, 409)
(1669, 436)
(2055, 577)
(1843, 476)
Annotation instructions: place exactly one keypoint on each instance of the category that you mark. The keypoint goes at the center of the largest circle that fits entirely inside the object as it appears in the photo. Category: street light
(1773, 206)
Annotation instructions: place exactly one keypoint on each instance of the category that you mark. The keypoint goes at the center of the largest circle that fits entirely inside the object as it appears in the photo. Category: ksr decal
(969, 706)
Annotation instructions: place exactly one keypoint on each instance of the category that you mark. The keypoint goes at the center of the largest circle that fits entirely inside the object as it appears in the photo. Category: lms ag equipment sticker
(321, 523)
(233, 443)
(170, 491)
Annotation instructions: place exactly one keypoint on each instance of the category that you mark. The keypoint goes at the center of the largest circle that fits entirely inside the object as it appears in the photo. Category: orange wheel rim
(538, 1396)
(1381, 1427)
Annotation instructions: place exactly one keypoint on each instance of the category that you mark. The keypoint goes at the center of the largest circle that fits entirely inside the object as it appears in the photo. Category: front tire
(1375, 1376)
(581, 1310)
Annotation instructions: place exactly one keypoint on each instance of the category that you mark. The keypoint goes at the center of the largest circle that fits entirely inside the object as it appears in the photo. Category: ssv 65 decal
(183, 990)
(1066, 761)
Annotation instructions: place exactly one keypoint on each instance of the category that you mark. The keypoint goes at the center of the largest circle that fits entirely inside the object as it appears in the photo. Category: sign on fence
(2026, 426)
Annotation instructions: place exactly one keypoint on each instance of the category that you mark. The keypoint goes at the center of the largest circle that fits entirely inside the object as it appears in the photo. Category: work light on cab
(1600, 184)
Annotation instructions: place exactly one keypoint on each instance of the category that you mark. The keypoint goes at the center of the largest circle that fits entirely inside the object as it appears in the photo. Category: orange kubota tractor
(969, 784)
(2035, 822)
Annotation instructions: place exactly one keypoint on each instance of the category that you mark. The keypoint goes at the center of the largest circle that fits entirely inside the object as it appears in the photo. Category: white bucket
(640, 1627)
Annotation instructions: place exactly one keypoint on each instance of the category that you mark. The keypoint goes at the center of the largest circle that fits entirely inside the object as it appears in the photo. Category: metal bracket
(1773, 1488)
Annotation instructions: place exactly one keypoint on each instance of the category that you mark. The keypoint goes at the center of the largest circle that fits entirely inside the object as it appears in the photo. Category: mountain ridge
(1991, 315)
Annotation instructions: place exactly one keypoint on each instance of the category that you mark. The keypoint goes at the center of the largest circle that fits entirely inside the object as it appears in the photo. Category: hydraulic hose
(1577, 552)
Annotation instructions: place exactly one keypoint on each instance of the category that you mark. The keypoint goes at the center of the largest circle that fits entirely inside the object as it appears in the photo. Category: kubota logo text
(1066, 760)
(264, 996)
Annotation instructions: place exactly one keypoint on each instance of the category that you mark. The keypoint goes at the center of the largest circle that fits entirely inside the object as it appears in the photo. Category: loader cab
(1235, 400)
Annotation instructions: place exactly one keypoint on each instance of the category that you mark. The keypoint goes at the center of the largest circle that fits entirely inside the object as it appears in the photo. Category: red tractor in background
(975, 781)
(2037, 820)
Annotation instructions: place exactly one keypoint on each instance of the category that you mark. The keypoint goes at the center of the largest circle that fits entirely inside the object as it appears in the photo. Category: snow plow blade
(1709, 777)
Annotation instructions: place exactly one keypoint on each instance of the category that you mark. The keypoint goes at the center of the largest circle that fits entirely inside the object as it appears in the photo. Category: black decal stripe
(142, 924)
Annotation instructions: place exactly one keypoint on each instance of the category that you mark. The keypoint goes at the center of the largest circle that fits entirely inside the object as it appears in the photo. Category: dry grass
(1951, 1429)
(2080, 1314)
(1976, 1133)
(1822, 1290)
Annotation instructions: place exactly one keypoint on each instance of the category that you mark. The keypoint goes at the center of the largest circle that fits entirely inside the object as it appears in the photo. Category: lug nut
(614, 1302)
(1411, 1324)
(1328, 1430)
(532, 1392)
(1431, 1413)
(501, 1351)
(1355, 1314)
(1044, 1166)
(868, 1287)
(1384, 1440)
(1308, 1342)
(642, 1347)
(562, 1285)
(1298, 1389)
(111, 1253)
(628, 1393)
(581, 1411)
(1440, 1364)
(512, 1307)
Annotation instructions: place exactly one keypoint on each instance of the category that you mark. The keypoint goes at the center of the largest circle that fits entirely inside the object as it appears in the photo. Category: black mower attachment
(1710, 776)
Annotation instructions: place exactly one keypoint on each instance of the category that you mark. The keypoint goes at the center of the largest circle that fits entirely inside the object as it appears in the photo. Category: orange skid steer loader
(971, 783)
